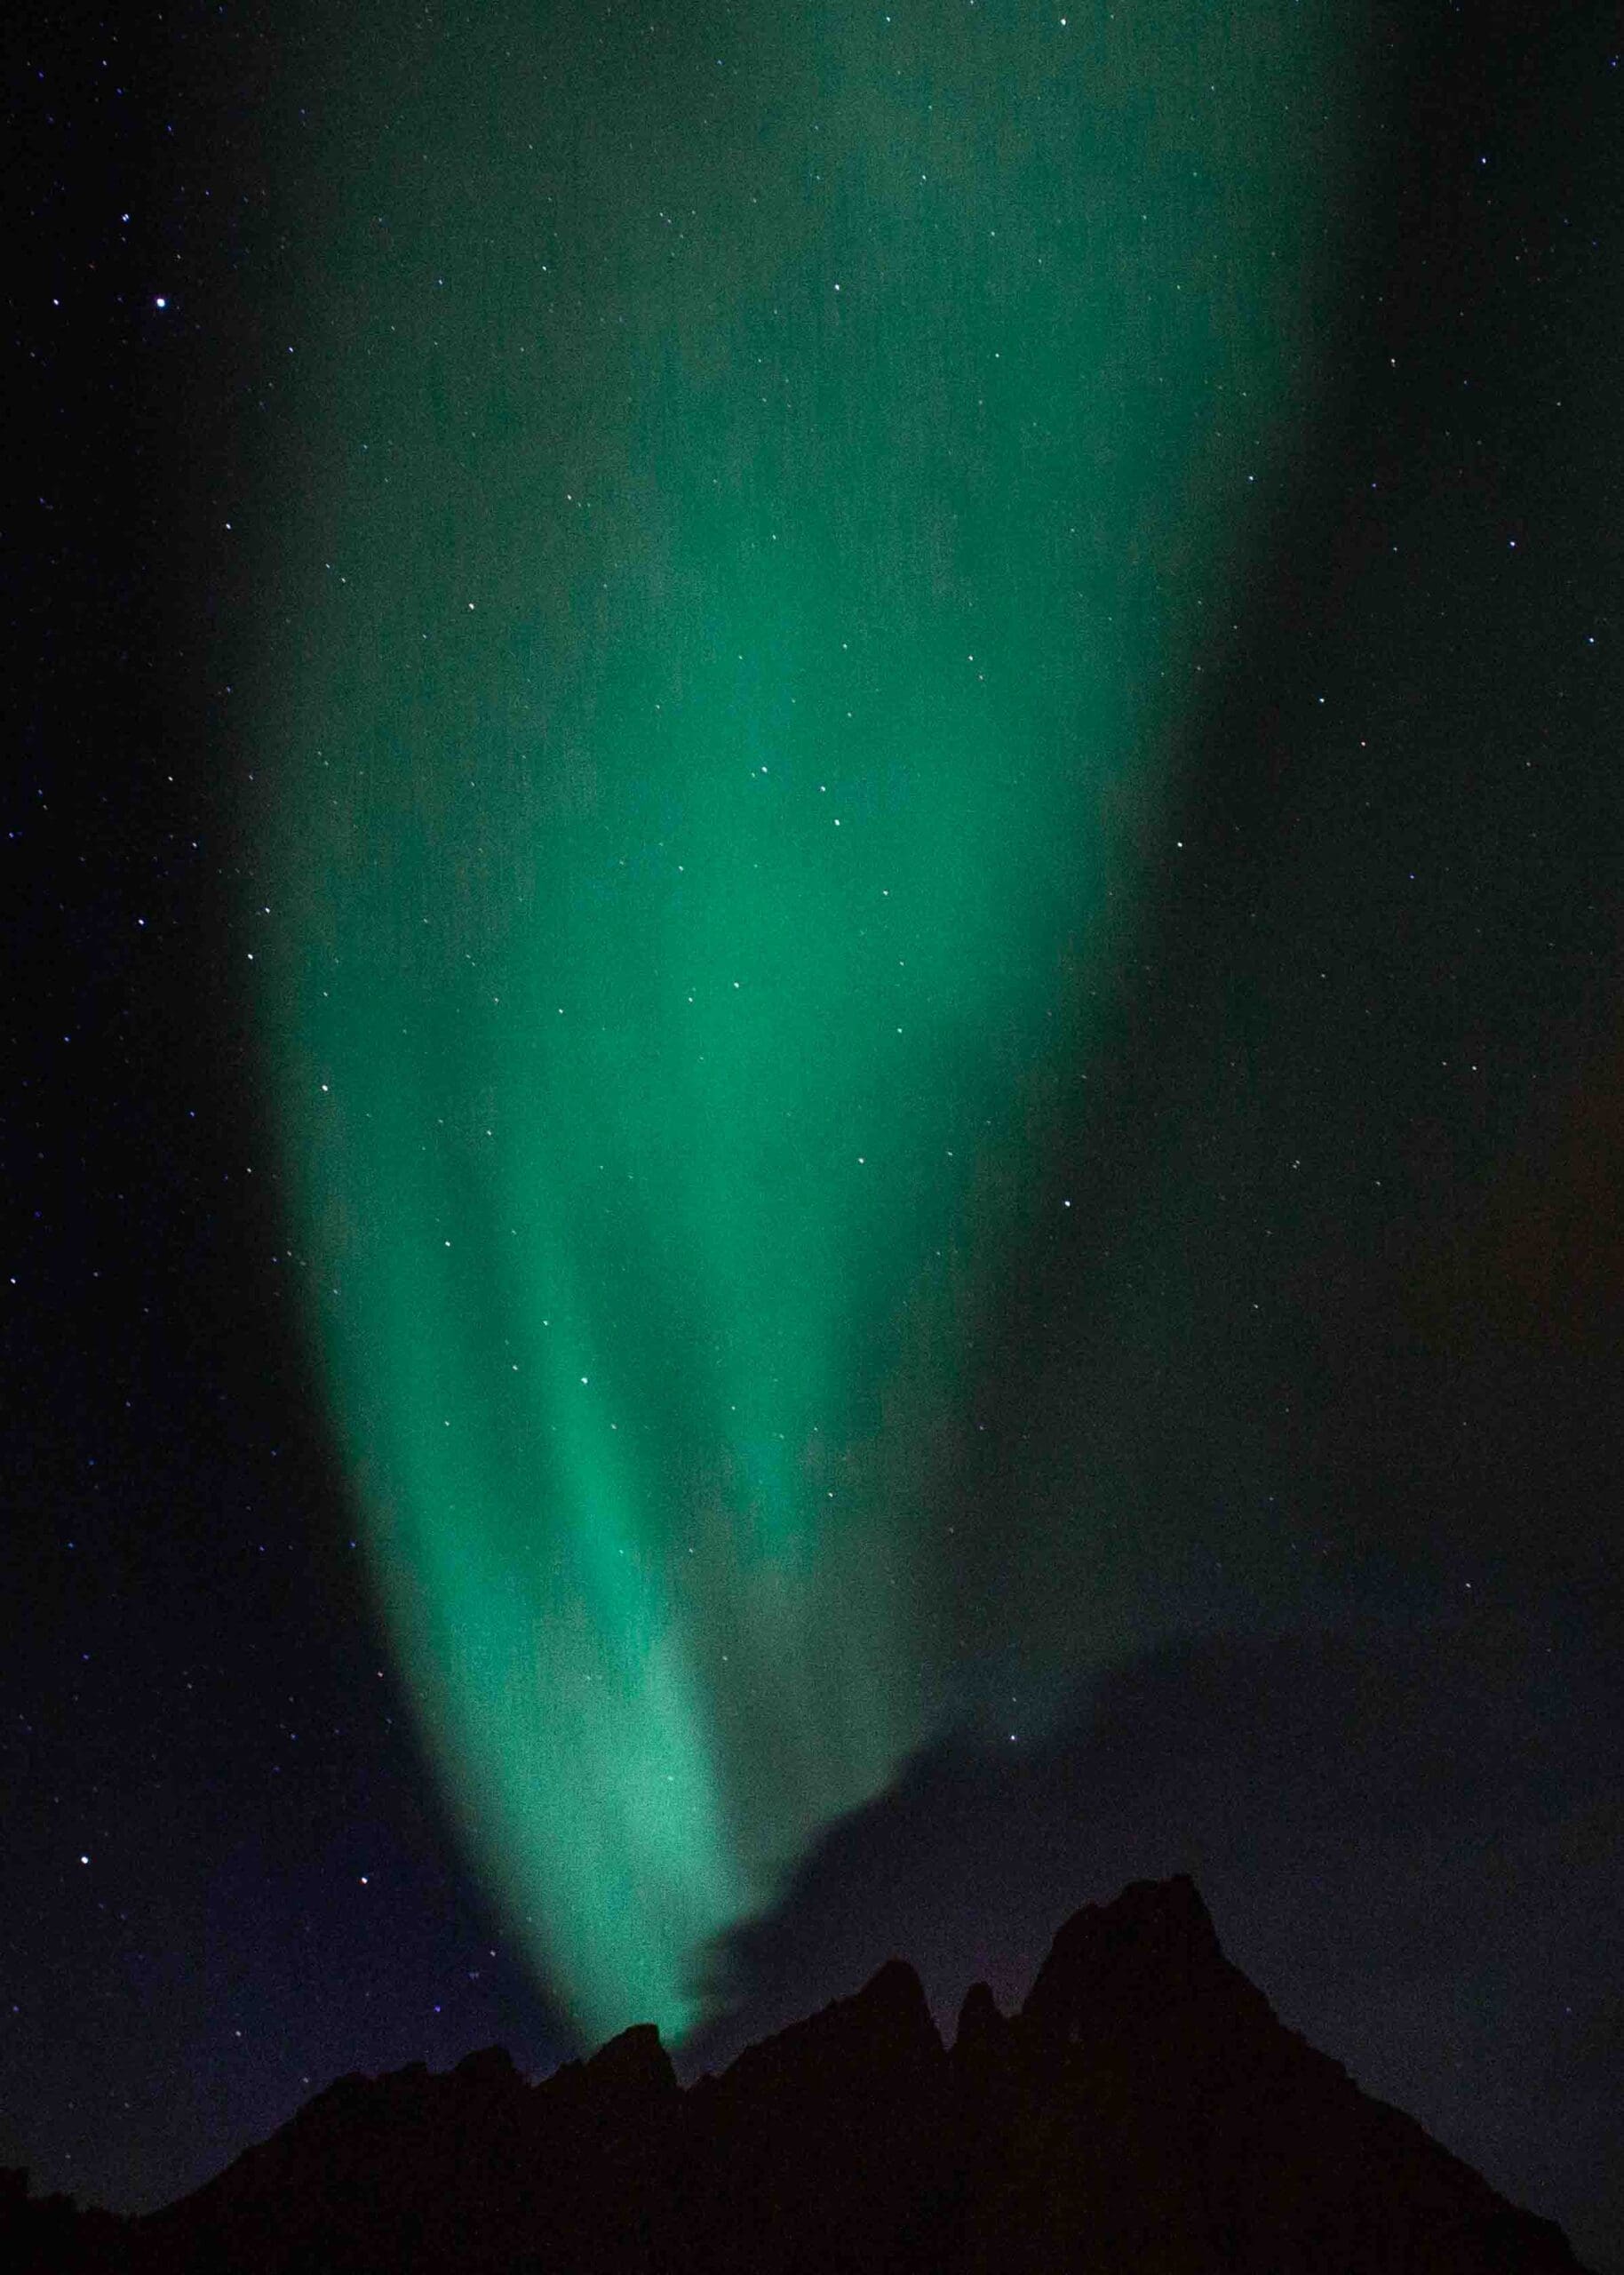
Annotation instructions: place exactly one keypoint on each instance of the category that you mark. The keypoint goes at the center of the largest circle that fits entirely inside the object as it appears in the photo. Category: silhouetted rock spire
(981, 2026)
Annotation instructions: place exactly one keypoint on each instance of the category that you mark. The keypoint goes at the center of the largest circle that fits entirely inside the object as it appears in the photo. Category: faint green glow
(765, 483)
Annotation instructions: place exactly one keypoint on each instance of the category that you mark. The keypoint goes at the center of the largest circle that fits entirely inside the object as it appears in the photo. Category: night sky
(813, 1082)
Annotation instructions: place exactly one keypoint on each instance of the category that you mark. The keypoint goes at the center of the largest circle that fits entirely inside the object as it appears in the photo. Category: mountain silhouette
(1145, 2112)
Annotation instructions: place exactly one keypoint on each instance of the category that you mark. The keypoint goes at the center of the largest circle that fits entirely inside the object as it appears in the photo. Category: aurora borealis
(1254, 1516)
(772, 481)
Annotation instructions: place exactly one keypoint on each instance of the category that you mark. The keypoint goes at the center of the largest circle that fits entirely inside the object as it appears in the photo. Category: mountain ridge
(1143, 2109)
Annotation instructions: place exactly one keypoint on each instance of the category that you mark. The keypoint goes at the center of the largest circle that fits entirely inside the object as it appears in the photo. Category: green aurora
(768, 481)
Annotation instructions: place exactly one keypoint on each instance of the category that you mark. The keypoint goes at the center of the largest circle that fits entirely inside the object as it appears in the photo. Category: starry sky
(815, 1080)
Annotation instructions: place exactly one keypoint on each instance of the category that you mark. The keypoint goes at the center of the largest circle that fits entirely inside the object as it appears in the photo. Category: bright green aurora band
(767, 480)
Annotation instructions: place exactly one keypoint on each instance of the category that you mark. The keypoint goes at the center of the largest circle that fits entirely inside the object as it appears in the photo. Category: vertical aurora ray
(767, 479)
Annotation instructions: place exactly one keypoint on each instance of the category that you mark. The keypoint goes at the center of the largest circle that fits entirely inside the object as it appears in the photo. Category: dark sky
(1348, 1336)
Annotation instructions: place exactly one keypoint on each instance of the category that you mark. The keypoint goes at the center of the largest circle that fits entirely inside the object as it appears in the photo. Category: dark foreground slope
(1145, 2113)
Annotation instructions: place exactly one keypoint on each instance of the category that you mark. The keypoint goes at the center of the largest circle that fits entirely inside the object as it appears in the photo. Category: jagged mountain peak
(635, 2062)
(489, 2066)
(1149, 1952)
(882, 2032)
